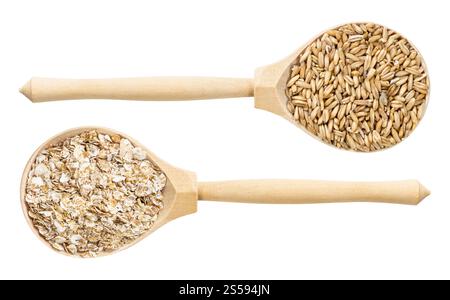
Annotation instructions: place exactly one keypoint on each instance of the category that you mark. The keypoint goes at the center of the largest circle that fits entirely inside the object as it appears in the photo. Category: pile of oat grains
(360, 86)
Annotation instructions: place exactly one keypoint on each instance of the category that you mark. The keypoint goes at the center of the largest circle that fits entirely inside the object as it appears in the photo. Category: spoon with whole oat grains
(93, 191)
(358, 86)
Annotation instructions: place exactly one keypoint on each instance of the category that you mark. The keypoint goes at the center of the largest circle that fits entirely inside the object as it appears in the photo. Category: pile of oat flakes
(93, 193)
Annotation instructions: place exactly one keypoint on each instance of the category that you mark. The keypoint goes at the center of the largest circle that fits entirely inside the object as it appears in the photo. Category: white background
(224, 139)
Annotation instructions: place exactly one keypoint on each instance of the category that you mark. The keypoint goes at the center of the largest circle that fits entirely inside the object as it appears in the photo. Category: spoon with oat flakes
(359, 86)
(92, 191)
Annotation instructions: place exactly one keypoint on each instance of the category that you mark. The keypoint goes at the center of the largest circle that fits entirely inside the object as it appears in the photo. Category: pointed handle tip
(26, 90)
(423, 192)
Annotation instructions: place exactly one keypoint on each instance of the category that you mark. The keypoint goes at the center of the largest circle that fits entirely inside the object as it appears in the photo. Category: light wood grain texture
(267, 87)
(182, 190)
(288, 191)
(151, 88)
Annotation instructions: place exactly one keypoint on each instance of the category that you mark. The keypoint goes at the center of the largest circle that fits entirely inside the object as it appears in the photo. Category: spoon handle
(274, 191)
(150, 88)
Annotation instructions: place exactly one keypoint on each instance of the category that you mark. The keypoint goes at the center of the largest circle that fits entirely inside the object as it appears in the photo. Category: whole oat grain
(93, 193)
(360, 86)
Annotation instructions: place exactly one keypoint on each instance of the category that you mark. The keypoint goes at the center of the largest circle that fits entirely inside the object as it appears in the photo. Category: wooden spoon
(268, 88)
(182, 191)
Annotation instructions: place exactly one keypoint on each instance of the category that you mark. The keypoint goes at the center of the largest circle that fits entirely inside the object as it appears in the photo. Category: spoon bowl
(180, 192)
